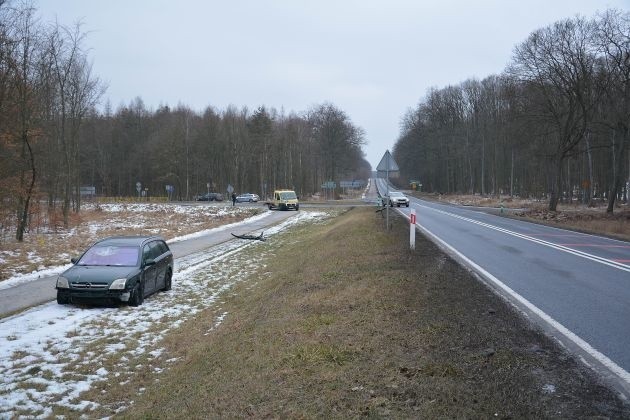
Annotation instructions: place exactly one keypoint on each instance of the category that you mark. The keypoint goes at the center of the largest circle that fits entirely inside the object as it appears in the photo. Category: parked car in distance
(247, 198)
(396, 198)
(209, 197)
(118, 269)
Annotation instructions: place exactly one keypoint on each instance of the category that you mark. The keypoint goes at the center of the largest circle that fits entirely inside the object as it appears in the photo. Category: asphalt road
(576, 285)
(26, 295)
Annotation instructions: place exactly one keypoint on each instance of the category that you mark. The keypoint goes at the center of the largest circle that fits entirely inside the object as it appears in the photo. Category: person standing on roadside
(233, 199)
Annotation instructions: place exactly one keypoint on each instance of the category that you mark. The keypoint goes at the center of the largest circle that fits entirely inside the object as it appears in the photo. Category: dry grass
(344, 321)
(584, 219)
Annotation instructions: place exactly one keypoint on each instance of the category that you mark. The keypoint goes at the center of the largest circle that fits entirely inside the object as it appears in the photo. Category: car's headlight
(62, 283)
(118, 284)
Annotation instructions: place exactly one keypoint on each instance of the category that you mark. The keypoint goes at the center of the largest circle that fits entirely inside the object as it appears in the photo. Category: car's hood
(91, 273)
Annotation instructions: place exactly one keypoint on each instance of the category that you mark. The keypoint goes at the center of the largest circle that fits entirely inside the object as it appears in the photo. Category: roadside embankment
(343, 320)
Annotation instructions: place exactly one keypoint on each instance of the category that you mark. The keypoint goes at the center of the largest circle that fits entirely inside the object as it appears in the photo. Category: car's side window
(146, 253)
(163, 247)
(156, 250)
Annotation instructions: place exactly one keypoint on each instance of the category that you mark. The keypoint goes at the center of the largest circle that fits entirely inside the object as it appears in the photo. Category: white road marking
(621, 373)
(601, 260)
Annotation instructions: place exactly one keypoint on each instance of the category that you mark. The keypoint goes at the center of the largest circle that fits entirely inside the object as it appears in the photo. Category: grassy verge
(344, 321)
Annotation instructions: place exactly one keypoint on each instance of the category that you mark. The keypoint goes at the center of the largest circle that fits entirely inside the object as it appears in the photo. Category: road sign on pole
(387, 165)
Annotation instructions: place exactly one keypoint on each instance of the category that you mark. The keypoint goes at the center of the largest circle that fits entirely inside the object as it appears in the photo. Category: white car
(396, 198)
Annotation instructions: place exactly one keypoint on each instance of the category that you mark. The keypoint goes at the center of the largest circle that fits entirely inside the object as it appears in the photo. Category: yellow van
(284, 200)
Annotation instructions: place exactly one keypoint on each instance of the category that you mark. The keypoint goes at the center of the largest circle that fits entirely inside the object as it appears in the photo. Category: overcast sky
(373, 59)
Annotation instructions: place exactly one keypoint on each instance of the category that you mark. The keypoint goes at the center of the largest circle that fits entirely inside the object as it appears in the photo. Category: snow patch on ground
(52, 353)
(122, 217)
(211, 211)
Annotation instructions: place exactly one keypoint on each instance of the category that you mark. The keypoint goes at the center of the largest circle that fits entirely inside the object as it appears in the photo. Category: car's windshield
(288, 195)
(396, 194)
(110, 255)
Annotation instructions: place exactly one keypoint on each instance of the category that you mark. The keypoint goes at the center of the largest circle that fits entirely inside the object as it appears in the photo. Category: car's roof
(127, 240)
(396, 193)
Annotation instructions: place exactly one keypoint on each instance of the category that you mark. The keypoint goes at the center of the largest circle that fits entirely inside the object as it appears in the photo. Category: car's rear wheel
(137, 295)
(62, 298)
(168, 281)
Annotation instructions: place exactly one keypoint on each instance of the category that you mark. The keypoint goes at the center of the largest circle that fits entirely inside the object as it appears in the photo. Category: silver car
(247, 198)
(396, 198)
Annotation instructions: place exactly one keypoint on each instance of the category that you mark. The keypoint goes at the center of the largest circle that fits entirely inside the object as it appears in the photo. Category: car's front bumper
(77, 295)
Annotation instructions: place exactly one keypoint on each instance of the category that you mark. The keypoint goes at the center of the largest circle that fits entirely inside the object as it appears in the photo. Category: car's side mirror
(74, 260)
(149, 262)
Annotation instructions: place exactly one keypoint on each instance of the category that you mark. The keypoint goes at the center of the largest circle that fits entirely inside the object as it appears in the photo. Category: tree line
(254, 151)
(54, 139)
(555, 124)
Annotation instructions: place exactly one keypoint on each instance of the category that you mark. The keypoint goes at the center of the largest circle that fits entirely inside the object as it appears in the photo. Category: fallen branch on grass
(252, 237)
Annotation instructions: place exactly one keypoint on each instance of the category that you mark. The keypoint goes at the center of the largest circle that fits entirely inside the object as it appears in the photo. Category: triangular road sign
(387, 163)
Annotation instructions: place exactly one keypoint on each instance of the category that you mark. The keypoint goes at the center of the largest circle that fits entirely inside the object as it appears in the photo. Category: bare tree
(338, 140)
(27, 104)
(78, 91)
(558, 62)
(612, 36)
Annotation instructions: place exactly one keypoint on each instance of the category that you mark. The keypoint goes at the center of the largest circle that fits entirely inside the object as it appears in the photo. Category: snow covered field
(41, 253)
(52, 353)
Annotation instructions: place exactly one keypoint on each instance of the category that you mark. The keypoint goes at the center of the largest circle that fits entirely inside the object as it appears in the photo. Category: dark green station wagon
(118, 269)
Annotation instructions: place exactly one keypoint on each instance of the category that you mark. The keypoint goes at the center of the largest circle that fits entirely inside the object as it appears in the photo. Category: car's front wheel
(137, 295)
(62, 298)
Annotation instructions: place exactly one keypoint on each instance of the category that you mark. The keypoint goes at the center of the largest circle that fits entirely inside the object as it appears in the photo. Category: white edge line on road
(614, 368)
(587, 348)
(601, 260)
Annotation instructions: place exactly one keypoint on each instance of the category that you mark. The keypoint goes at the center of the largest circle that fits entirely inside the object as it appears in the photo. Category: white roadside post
(412, 229)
